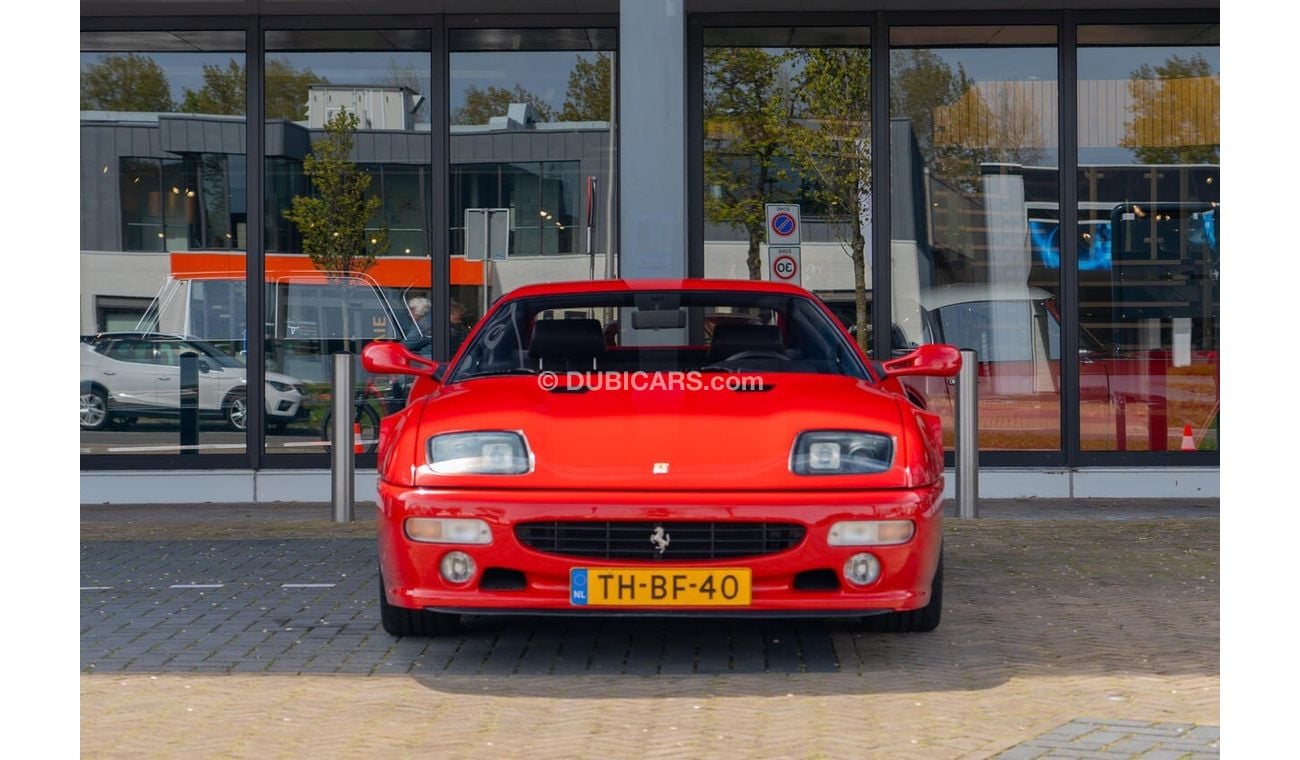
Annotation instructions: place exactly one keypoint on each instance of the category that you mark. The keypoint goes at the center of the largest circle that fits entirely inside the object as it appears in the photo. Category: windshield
(660, 331)
(212, 352)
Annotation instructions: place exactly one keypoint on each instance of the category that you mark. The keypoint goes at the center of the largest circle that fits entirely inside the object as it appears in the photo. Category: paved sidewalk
(1066, 633)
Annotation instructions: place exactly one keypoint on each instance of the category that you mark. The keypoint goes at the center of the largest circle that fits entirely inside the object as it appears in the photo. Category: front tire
(237, 410)
(94, 409)
(399, 621)
(923, 620)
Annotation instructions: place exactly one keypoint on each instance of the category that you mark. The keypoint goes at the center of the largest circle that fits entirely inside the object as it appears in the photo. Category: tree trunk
(755, 258)
(859, 245)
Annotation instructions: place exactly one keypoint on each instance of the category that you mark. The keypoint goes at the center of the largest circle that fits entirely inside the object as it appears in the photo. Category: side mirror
(204, 367)
(386, 357)
(932, 359)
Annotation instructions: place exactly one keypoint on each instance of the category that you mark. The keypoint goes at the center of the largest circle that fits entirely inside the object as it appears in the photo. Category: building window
(542, 196)
(974, 174)
(787, 119)
(162, 171)
(1149, 236)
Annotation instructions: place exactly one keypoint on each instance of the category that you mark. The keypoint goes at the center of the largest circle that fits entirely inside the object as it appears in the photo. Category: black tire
(923, 620)
(94, 409)
(236, 410)
(399, 621)
(366, 417)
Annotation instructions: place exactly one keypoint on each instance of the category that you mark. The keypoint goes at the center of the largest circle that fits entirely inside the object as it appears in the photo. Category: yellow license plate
(659, 587)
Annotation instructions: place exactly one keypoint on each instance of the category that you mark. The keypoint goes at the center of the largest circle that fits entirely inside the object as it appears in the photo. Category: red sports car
(724, 449)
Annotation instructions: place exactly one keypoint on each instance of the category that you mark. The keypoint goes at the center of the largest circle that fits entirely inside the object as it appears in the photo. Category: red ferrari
(660, 447)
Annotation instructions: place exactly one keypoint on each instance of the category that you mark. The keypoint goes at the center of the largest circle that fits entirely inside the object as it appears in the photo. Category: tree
(225, 89)
(125, 82)
(921, 86)
(332, 221)
(747, 111)
(480, 104)
(1175, 112)
(588, 94)
(286, 89)
(832, 147)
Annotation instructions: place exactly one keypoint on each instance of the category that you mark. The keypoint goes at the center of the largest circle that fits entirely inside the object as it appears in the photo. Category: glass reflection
(348, 218)
(1149, 238)
(974, 189)
(164, 230)
(791, 125)
(532, 132)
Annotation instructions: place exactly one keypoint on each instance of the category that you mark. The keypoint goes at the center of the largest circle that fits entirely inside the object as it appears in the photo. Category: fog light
(860, 569)
(457, 567)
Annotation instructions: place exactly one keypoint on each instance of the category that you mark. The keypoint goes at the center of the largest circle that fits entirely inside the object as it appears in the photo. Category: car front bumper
(411, 569)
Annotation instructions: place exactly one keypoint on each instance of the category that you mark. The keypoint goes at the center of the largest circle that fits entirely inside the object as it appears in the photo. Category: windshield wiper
(500, 372)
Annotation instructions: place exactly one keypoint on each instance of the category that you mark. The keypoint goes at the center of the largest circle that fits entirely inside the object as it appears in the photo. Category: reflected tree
(224, 90)
(587, 97)
(332, 220)
(481, 104)
(748, 106)
(1175, 112)
(832, 147)
(125, 82)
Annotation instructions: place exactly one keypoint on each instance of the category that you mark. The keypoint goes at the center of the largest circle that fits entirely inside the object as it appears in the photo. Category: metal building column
(652, 138)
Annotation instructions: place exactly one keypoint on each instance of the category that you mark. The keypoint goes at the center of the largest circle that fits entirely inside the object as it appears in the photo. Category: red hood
(709, 440)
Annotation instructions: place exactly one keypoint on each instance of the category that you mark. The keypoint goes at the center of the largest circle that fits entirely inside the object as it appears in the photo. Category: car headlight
(281, 387)
(481, 453)
(839, 452)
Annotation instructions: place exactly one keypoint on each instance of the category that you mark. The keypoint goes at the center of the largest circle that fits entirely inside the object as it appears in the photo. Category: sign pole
(487, 258)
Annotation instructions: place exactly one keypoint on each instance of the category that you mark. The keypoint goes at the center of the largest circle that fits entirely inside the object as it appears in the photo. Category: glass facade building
(1040, 186)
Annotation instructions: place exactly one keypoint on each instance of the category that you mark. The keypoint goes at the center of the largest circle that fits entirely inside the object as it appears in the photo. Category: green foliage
(1175, 112)
(332, 221)
(588, 95)
(125, 82)
(224, 90)
(480, 104)
(748, 105)
(832, 147)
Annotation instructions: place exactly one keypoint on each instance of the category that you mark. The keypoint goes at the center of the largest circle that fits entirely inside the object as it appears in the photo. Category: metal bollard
(342, 461)
(967, 454)
(189, 403)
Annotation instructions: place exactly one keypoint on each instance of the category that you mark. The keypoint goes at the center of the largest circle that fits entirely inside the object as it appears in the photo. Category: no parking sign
(782, 223)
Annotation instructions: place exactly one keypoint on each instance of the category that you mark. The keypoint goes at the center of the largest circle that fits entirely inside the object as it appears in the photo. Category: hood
(704, 439)
(287, 380)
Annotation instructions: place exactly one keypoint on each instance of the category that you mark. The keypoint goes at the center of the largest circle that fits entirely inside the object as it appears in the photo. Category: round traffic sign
(785, 267)
(783, 224)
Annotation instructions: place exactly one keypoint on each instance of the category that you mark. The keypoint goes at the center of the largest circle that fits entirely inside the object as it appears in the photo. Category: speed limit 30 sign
(785, 265)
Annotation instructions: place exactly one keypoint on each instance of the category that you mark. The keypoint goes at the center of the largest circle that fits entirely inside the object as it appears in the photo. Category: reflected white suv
(130, 375)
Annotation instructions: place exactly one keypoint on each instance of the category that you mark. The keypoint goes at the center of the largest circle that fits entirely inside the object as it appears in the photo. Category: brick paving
(256, 633)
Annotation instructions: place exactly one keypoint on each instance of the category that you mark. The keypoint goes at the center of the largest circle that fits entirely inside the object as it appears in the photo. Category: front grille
(686, 540)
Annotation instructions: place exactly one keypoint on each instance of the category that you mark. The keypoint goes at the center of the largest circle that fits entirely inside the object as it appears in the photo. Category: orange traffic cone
(1189, 443)
(357, 447)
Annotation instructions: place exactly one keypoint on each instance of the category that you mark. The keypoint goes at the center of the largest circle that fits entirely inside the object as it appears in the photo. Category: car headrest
(566, 339)
(731, 339)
